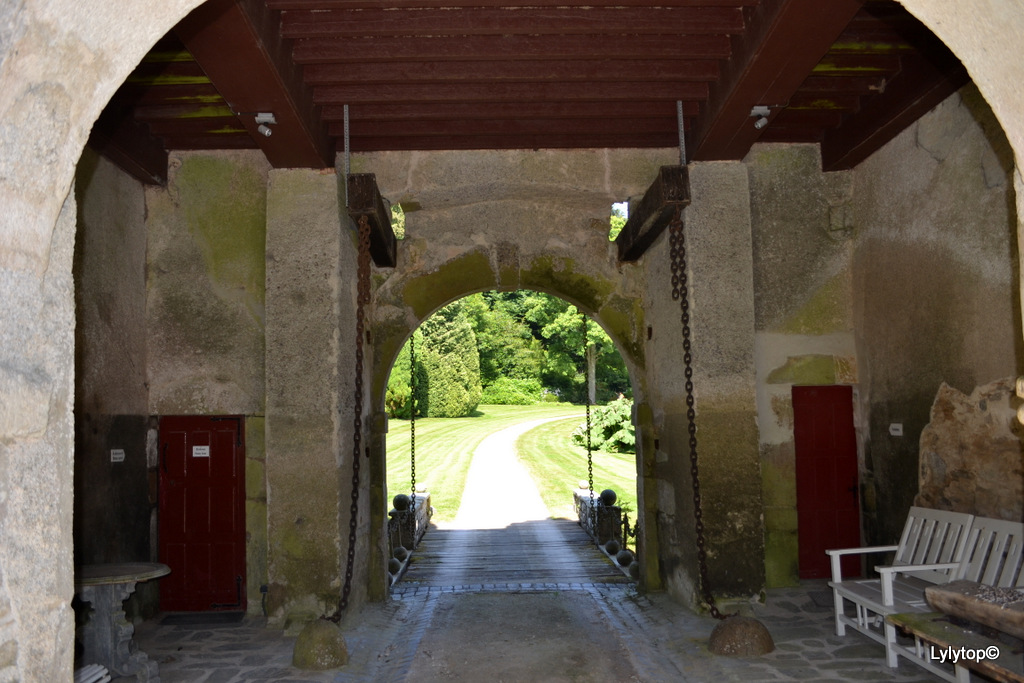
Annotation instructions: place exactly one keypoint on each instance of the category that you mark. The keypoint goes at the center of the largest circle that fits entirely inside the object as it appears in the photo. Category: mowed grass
(444, 450)
(558, 466)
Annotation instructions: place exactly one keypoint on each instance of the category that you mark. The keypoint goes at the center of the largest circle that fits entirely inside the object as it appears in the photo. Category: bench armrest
(835, 555)
(888, 572)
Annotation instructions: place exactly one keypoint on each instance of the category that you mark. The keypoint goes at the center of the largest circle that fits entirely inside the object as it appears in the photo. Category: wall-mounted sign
(200, 451)
(116, 455)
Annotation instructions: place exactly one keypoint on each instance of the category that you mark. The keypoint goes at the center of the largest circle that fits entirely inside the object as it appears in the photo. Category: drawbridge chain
(412, 429)
(680, 293)
(590, 447)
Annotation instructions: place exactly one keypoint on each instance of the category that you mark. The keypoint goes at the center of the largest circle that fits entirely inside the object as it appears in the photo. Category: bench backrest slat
(931, 537)
(994, 553)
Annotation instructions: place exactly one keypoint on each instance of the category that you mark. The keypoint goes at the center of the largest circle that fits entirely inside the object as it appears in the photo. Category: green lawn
(444, 448)
(558, 466)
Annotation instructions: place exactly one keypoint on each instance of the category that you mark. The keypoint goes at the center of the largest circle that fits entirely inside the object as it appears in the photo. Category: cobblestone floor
(663, 641)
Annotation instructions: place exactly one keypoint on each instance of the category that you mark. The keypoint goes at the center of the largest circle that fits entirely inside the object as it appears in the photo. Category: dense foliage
(611, 428)
(512, 348)
(447, 368)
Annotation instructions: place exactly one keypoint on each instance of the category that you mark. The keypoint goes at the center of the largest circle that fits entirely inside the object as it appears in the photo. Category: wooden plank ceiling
(527, 74)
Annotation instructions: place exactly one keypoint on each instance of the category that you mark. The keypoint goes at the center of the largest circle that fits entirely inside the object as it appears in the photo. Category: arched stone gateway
(61, 61)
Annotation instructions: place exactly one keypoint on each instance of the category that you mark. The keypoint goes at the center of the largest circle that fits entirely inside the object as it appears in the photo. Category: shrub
(512, 392)
(611, 428)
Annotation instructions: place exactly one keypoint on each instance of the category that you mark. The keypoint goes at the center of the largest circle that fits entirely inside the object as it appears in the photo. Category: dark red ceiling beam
(188, 142)
(463, 142)
(130, 145)
(509, 126)
(375, 49)
(513, 71)
(920, 86)
(237, 45)
(435, 4)
(426, 111)
(784, 42)
(505, 92)
(616, 21)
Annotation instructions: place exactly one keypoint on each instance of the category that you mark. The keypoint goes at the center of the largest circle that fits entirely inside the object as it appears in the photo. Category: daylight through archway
(502, 381)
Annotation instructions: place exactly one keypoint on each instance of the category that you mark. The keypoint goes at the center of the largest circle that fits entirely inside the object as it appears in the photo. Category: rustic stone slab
(998, 608)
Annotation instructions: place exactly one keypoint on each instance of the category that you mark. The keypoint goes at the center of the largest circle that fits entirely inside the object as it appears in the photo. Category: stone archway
(60, 63)
(484, 225)
(384, 364)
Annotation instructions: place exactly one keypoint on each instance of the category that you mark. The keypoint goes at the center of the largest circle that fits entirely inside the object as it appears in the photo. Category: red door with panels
(202, 513)
(827, 502)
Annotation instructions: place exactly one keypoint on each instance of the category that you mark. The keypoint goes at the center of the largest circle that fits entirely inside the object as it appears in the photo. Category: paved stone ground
(661, 640)
(648, 635)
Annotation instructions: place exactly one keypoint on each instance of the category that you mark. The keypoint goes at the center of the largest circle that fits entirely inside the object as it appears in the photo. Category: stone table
(107, 635)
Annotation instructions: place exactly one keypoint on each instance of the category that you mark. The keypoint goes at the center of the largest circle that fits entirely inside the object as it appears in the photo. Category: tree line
(516, 348)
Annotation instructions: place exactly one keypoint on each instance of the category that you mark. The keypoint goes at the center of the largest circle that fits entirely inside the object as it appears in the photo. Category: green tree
(452, 363)
(617, 221)
(505, 342)
(568, 363)
(397, 400)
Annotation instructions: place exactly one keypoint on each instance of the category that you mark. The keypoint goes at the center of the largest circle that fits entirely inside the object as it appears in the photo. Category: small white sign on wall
(200, 451)
(116, 455)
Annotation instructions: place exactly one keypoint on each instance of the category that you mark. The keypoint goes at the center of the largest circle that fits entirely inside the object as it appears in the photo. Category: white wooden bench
(934, 538)
(994, 556)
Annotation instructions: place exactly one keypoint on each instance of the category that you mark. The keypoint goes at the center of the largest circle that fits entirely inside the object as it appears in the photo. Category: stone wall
(310, 340)
(718, 244)
(205, 285)
(935, 289)
(802, 243)
(510, 220)
(205, 318)
(115, 502)
(60, 62)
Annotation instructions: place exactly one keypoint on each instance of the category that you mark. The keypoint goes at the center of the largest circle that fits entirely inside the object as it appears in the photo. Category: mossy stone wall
(936, 296)
(310, 341)
(539, 220)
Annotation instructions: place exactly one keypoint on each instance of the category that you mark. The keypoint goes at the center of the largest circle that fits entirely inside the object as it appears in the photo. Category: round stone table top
(119, 572)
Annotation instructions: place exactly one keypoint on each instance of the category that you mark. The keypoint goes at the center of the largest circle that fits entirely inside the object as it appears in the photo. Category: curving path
(502, 532)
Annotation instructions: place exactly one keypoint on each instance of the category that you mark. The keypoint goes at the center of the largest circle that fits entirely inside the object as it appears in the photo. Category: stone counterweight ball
(624, 558)
(401, 502)
(608, 497)
(612, 547)
(394, 565)
(740, 637)
(400, 553)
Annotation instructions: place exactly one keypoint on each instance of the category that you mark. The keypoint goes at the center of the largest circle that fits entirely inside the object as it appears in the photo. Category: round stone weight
(741, 637)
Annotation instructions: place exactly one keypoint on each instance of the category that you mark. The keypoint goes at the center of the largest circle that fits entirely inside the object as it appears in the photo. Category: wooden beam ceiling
(784, 42)
(526, 74)
(233, 41)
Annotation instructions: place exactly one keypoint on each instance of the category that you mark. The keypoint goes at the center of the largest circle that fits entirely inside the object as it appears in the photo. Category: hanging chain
(362, 299)
(590, 447)
(680, 293)
(412, 429)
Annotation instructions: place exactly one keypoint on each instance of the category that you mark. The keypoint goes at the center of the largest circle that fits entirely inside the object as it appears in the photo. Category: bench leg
(891, 656)
(840, 626)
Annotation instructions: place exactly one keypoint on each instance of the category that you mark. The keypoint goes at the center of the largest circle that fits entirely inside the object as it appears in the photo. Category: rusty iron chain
(412, 429)
(680, 293)
(590, 447)
(362, 299)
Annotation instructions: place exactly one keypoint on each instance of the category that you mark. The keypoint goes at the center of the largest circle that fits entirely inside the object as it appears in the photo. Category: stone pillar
(37, 351)
(310, 296)
(718, 240)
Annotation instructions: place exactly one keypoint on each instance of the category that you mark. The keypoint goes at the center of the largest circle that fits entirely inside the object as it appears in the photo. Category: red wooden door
(828, 509)
(202, 513)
